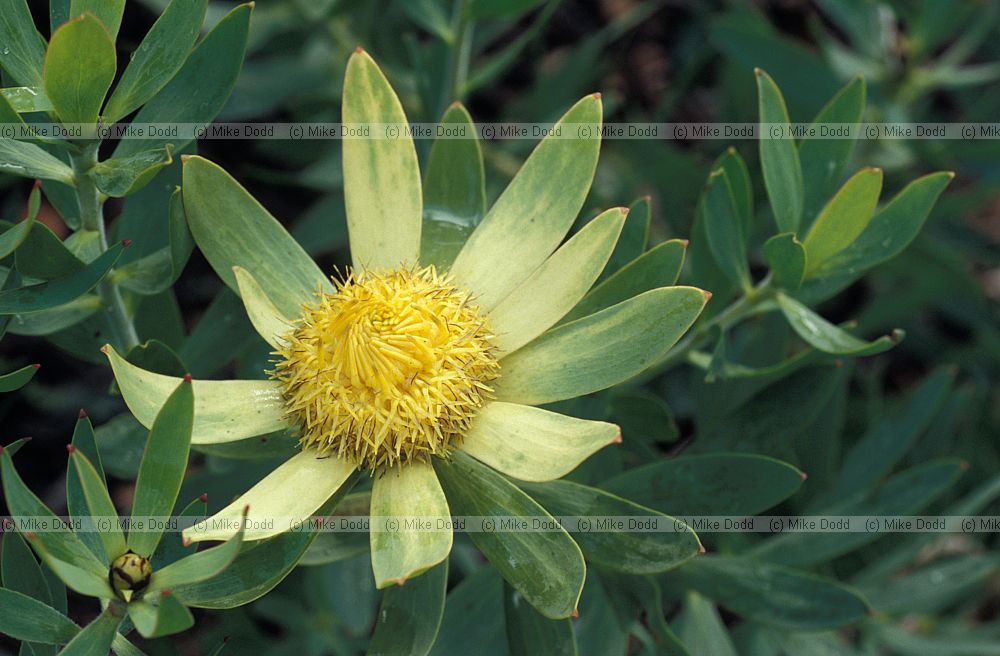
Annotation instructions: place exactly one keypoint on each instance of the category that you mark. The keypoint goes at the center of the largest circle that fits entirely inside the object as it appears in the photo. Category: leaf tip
(758, 71)
(702, 550)
(400, 581)
(126, 243)
(684, 242)
(165, 592)
(950, 174)
(617, 439)
(358, 50)
(707, 294)
(28, 438)
(187, 378)
(203, 497)
(70, 448)
(185, 158)
(37, 184)
(185, 541)
(575, 614)
(37, 365)
(596, 95)
(104, 349)
(82, 414)
(624, 211)
(803, 475)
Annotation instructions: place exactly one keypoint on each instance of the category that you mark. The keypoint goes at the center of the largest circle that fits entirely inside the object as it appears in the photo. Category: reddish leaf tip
(707, 295)
(165, 592)
(203, 497)
(83, 414)
(30, 535)
(37, 365)
(758, 71)
(684, 242)
(803, 475)
(186, 541)
(358, 50)
(126, 242)
(624, 211)
(575, 614)
(37, 184)
(702, 550)
(70, 448)
(400, 581)
(104, 349)
(617, 439)
(187, 378)
(28, 438)
(185, 158)
(596, 95)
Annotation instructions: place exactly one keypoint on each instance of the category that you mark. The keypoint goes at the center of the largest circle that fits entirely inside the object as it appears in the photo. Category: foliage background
(661, 61)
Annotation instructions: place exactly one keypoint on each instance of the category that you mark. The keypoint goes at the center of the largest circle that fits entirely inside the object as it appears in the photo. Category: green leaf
(99, 505)
(715, 484)
(529, 632)
(267, 320)
(201, 87)
(633, 239)
(787, 258)
(454, 190)
(109, 12)
(600, 350)
(15, 380)
(658, 267)
(45, 295)
(631, 596)
(535, 211)
(724, 229)
(95, 639)
(381, 175)
(159, 615)
(740, 185)
(408, 620)
(123, 176)
(29, 161)
(826, 337)
(843, 218)
(932, 587)
(903, 494)
(160, 55)
(161, 472)
(259, 566)
(83, 580)
(774, 595)
(23, 51)
(889, 439)
(58, 318)
(533, 444)
(224, 411)
(644, 417)
(557, 285)
(824, 158)
(44, 256)
(197, 567)
(890, 231)
(24, 618)
(80, 66)
(159, 270)
(62, 542)
(24, 100)
(779, 157)
(501, 8)
(547, 568)
(233, 229)
(404, 495)
(701, 629)
(473, 615)
(21, 572)
(85, 442)
(633, 550)
(13, 236)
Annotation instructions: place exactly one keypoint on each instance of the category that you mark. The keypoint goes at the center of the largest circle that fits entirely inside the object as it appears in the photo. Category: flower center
(390, 368)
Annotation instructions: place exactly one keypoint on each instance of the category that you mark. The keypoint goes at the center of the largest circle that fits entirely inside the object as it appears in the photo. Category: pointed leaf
(158, 271)
(266, 319)
(407, 512)
(658, 267)
(557, 285)
(95, 639)
(381, 174)
(172, 547)
(826, 337)
(547, 568)
(197, 567)
(600, 350)
(779, 158)
(122, 176)
(224, 411)
(29, 161)
(232, 229)
(160, 55)
(535, 211)
(23, 51)
(787, 258)
(633, 239)
(82, 579)
(109, 12)
(45, 295)
(17, 379)
(621, 548)
(843, 218)
(160, 615)
(202, 85)
(99, 505)
(715, 484)
(724, 229)
(24, 618)
(162, 468)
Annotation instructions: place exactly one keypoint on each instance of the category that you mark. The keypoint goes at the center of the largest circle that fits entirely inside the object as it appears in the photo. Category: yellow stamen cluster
(389, 368)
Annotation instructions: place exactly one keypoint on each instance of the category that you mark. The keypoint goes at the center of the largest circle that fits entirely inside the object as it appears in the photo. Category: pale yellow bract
(390, 368)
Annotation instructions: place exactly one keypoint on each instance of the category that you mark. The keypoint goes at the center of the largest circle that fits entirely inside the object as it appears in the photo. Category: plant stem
(92, 218)
(743, 307)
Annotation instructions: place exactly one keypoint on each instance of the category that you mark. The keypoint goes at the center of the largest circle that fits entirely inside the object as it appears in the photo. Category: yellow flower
(420, 356)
